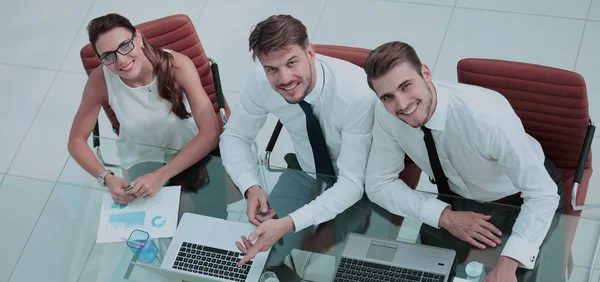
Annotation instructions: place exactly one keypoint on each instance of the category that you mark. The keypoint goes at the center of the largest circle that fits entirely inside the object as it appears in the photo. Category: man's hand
(471, 227)
(265, 235)
(147, 185)
(257, 203)
(117, 186)
(504, 271)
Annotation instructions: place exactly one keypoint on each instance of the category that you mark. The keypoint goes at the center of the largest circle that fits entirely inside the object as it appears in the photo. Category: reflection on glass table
(314, 254)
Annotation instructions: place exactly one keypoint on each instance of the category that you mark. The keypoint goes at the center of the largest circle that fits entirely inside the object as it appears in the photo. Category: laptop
(368, 259)
(203, 249)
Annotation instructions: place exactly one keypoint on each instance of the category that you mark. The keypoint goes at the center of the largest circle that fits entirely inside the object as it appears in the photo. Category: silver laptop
(369, 259)
(203, 249)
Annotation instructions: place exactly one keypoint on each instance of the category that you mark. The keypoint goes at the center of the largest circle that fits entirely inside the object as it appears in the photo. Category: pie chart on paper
(158, 221)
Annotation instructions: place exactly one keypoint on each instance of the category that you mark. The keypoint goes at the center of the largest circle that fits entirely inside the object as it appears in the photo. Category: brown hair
(162, 62)
(387, 56)
(277, 31)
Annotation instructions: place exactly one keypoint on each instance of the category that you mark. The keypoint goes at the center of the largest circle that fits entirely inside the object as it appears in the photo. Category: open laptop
(387, 260)
(203, 249)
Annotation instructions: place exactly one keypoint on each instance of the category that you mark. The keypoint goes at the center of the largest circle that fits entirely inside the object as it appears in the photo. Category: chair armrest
(274, 136)
(214, 67)
(96, 135)
(585, 150)
(271, 145)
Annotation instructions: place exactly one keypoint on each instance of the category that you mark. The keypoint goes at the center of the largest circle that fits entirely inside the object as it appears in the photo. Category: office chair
(553, 107)
(411, 173)
(176, 33)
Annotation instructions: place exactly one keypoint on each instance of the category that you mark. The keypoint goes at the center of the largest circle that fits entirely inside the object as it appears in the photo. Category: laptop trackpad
(227, 233)
(382, 252)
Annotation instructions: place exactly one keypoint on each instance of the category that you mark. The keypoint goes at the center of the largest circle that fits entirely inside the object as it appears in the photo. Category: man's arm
(511, 146)
(383, 186)
(357, 123)
(241, 129)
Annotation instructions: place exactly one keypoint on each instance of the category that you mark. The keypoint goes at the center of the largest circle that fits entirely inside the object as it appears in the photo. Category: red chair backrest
(552, 104)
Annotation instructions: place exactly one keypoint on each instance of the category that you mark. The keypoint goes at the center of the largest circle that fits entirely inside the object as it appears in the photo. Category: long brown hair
(275, 32)
(161, 61)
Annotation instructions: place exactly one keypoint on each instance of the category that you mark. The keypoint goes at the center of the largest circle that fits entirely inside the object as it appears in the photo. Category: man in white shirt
(471, 141)
(326, 106)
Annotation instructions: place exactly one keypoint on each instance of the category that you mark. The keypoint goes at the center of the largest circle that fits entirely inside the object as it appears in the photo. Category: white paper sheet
(157, 216)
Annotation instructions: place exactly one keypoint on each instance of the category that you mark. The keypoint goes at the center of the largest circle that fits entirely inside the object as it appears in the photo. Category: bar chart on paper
(128, 220)
(157, 216)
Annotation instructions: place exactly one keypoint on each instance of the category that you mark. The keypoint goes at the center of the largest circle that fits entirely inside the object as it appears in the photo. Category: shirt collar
(314, 95)
(438, 118)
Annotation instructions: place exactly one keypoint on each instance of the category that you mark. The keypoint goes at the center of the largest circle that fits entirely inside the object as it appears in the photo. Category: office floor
(42, 79)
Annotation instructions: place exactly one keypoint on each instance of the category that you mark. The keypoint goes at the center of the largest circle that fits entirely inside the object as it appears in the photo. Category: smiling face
(406, 93)
(290, 71)
(121, 52)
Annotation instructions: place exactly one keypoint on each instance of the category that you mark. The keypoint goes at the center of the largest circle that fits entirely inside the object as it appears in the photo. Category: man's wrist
(250, 190)
(507, 263)
(290, 226)
(445, 218)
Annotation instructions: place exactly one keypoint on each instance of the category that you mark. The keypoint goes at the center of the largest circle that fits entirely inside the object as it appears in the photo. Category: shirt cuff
(431, 212)
(521, 250)
(245, 181)
(302, 218)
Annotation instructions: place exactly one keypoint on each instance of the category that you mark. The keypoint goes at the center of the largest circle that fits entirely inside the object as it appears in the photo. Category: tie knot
(305, 106)
(425, 129)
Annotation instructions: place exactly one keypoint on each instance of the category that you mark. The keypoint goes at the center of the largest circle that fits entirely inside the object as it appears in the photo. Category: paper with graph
(157, 216)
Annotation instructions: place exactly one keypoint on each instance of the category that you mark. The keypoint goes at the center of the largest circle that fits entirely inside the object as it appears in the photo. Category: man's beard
(428, 107)
(306, 89)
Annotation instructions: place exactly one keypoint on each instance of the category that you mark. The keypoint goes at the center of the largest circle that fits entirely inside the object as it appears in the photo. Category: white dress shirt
(485, 154)
(343, 103)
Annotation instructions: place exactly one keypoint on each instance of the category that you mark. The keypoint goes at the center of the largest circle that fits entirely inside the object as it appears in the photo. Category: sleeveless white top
(146, 118)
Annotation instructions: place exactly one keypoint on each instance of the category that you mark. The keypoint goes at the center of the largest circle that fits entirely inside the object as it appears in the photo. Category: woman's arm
(202, 112)
(94, 94)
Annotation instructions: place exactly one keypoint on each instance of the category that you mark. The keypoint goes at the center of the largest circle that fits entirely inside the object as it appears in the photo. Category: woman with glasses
(158, 99)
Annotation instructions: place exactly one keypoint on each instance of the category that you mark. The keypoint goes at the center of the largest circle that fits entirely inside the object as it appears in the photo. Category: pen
(138, 245)
(131, 185)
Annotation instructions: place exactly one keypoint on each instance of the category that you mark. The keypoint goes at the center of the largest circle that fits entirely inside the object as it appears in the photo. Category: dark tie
(321, 156)
(434, 161)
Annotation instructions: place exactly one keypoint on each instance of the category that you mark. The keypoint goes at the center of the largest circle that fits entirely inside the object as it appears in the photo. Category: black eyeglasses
(110, 58)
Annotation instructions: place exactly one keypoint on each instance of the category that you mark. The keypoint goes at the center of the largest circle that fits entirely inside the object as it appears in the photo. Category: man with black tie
(326, 106)
(472, 143)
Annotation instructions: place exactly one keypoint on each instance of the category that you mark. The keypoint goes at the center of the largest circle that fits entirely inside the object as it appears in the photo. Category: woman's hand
(146, 186)
(117, 186)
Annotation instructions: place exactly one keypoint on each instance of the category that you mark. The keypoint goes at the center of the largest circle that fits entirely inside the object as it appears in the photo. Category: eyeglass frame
(130, 41)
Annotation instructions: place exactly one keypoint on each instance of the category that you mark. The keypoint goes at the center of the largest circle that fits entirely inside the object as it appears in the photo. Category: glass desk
(207, 190)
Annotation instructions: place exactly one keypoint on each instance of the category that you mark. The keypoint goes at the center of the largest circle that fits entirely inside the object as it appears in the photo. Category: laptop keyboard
(352, 270)
(211, 261)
